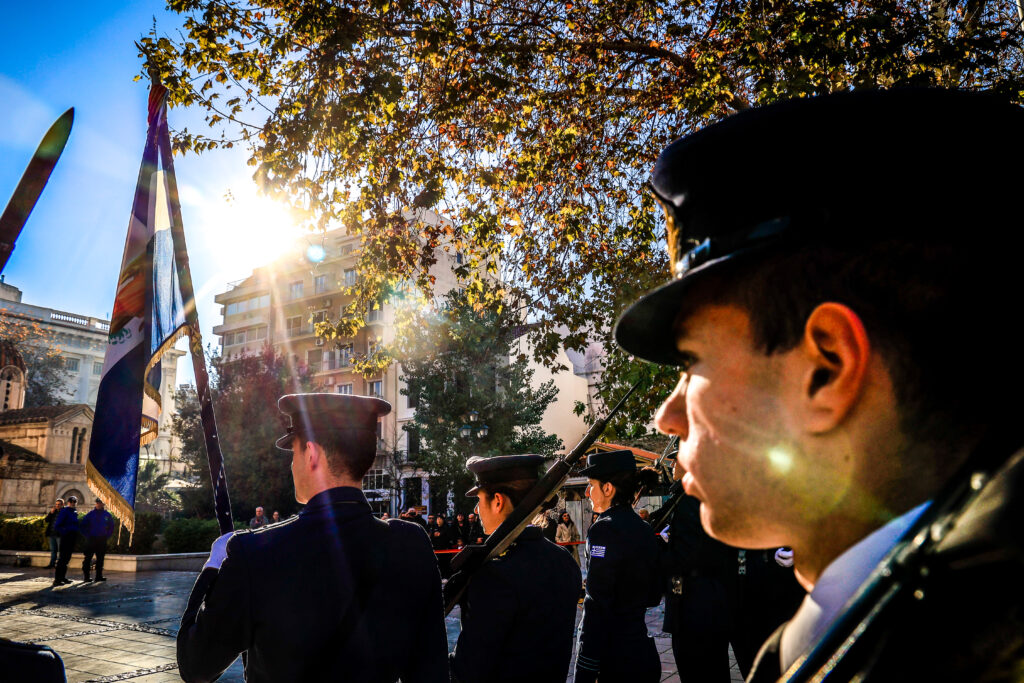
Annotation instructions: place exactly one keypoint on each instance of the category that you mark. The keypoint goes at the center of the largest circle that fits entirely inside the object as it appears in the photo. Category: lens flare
(780, 459)
(315, 253)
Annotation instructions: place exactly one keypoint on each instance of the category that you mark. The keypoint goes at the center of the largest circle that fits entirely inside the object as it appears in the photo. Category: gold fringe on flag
(114, 501)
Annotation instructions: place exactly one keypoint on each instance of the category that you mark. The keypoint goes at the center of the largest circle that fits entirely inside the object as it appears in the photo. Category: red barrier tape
(459, 550)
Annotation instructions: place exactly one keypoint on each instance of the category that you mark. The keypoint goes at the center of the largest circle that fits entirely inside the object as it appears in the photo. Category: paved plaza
(123, 630)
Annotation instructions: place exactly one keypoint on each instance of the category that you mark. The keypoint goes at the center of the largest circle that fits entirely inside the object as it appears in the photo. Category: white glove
(664, 533)
(784, 557)
(218, 551)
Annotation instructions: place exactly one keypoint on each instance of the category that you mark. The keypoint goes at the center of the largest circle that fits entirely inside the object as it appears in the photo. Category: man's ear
(835, 351)
(313, 455)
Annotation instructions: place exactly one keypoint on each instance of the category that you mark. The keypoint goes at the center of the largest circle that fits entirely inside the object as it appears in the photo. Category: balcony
(243, 288)
(241, 321)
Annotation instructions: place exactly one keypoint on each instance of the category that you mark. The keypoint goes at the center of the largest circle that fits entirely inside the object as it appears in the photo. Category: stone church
(42, 450)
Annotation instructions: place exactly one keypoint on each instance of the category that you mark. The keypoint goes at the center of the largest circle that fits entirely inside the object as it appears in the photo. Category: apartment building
(279, 305)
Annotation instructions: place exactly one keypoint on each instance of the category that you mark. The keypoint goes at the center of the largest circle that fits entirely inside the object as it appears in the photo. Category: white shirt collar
(837, 584)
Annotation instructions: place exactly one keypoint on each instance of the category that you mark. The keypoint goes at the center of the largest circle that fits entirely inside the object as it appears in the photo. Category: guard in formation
(622, 579)
(839, 313)
(330, 593)
(519, 610)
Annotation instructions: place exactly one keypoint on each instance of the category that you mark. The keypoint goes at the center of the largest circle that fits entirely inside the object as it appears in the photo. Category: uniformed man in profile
(519, 610)
(332, 593)
(845, 269)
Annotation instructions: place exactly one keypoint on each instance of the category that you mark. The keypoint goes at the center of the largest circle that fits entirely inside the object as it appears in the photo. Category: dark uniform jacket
(967, 621)
(622, 582)
(331, 594)
(518, 615)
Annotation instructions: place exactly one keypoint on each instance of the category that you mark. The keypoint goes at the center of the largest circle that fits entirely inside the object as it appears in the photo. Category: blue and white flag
(148, 318)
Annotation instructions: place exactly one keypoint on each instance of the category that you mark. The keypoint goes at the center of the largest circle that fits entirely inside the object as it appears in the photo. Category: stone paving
(124, 629)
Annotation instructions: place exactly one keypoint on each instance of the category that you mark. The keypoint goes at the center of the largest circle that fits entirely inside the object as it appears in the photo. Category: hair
(625, 484)
(515, 490)
(929, 310)
(350, 452)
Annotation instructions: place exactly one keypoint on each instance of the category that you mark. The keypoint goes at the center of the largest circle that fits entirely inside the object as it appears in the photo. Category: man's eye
(688, 361)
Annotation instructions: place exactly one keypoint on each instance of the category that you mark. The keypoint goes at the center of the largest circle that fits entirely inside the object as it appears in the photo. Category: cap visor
(472, 492)
(647, 328)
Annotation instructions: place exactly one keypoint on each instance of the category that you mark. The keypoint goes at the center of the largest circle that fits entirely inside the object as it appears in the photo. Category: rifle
(472, 557)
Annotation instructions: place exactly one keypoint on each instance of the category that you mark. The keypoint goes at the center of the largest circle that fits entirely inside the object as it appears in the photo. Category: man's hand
(784, 557)
(218, 551)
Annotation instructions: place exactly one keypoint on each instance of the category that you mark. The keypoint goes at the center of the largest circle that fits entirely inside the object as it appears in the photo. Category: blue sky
(57, 55)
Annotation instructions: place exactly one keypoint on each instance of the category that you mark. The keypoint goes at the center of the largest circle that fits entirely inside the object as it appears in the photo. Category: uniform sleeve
(488, 613)
(595, 635)
(429, 662)
(217, 625)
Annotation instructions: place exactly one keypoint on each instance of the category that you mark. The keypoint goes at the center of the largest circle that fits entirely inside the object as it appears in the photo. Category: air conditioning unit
(319, 341)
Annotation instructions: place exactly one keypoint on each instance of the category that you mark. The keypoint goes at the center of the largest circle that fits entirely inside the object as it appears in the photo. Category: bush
(190, 535)
(147, 526)
(23, 533)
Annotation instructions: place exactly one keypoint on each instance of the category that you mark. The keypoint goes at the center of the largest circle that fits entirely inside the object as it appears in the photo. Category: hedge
(190, 535)
(147, 526)
(28, 533)
(23, 533)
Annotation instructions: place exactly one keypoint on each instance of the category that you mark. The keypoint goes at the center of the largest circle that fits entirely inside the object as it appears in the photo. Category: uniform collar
(336, 496)
(838, 583)
(530, 533)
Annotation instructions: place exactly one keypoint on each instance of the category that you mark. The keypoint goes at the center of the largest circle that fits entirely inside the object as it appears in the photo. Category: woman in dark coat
(622, 580)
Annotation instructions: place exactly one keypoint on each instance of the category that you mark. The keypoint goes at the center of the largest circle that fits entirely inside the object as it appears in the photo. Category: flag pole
(215, 458)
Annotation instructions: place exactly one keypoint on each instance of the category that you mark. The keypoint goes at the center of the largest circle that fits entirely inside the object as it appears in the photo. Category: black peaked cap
(608, 463)
(500, 469)
(323, 415)
(850, 168)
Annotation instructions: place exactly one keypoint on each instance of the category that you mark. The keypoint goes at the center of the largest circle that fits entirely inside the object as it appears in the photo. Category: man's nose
(671, 416)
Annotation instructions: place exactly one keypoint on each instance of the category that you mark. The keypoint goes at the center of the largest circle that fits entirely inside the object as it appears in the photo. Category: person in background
(623, 579)
(383, 517)
(519, 610)
(566, 532)
(97, 526)
(260, 520)
(66, 526)
(644, 514)
(476, 530)
(461, 527)
(52, 537)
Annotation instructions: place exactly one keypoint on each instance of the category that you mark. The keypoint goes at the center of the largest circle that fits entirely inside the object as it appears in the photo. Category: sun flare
(249, 229)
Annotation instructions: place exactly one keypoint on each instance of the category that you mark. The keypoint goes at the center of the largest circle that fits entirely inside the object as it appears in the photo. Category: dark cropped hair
(350, 452)
(515, 491)
(934, 312)
(625, 484)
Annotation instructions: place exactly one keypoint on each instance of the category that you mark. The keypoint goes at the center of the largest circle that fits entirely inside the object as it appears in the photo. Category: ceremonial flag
(153, 308)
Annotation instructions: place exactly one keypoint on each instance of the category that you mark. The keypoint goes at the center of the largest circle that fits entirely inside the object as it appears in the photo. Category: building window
(350, 277)
(293, 326)
(345, 389)
(254, 333)
(374, 314)
(295, 290)
(314, 359)
(371, 347)
(319, 284)
(375, 388)
(71, 364)
(458, 258)
(74, 444)
(377, 480)
(345, 355)
(414, 443)
(97, 368)
(347, 249)
(414, 395)
(320, 317)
